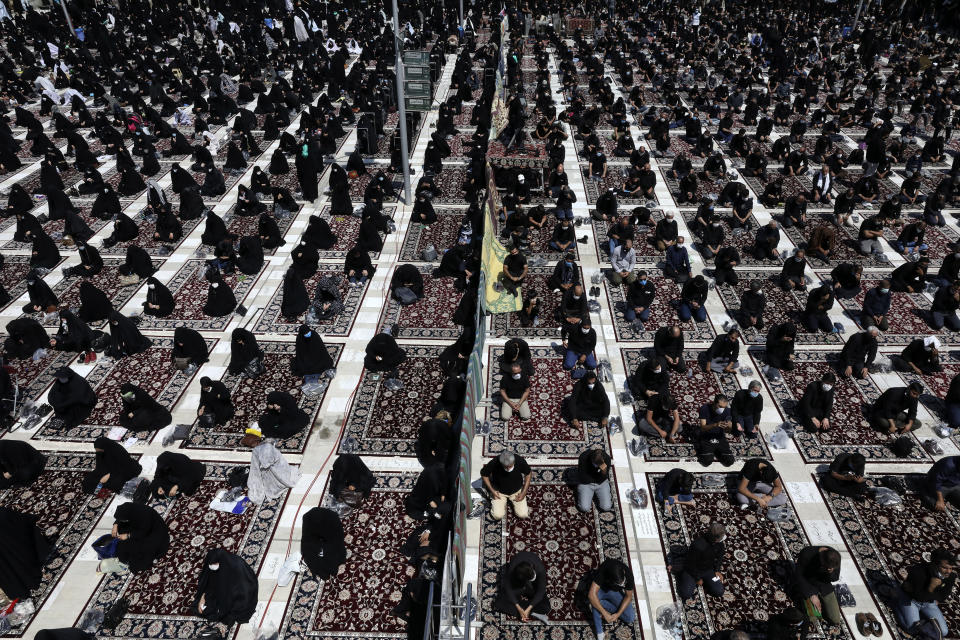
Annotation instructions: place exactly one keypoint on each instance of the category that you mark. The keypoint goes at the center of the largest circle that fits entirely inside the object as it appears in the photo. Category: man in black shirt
(817, 403)
(927, 585)
(752, 305)
(661, 419)
(611, 595)
(668, 346)
(896, 410)
(703, 563)
(746, 408)
(593, 468)
(514, 270)
(722, 355)
(514, 392)
(859, 353)
(817, 569)
(588, 401)
(845, 476)
(507, 477)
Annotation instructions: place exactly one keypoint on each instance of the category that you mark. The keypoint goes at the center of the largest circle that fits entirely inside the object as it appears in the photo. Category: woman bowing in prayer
(216, 407)
(137, 263)
(220, 298)
(25, 336)
(322, 542)
(114, 467)
(125, 337)
(226, 589)
(142, 536)
(319, 235)
(176, 474)
(72, 398)
(20, 464)
(159, 302)
(350, 479)
(383, 354)
(189, 344)
(139, 411)
(282, 418)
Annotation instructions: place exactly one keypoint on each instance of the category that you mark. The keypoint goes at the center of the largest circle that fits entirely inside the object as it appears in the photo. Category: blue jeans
(564, 214)
(611, 245)
(570, 361)
(586, 492)
(685, 311)
(747, 423)
(903, 247)
(908, 612)
(631, 315)
(611, 601)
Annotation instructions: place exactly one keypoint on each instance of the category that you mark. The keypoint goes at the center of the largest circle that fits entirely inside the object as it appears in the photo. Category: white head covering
(931, 341)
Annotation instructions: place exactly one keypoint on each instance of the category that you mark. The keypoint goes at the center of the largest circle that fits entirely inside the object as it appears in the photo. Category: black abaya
(311, 357)
(350, 472)
(149, 537)
(243, 350)
(24, 337)
(94, 303)
(383, 353)
(432, 486)
(322, 542)
(23, 553)
(220, 298)
(125, 337)
(112, 459)
(226, 589)
(140, 411)
(159, 302)
(188, 343)
(294, 298)
(21, 462)
(284, 422)
(177, 470)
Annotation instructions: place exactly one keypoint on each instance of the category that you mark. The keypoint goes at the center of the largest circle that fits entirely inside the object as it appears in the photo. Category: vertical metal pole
(462, 17)
(856, 18)
(398, 66)
(63, 5)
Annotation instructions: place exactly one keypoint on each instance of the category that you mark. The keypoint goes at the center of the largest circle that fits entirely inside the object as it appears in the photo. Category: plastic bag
(130, 487)
(714, 480)
(626, 397)
(778, 514)
(669, 619)
(844, 597)
(779, 439)
(886, 497)
(266, 632)
(393, 384)
(91, 621)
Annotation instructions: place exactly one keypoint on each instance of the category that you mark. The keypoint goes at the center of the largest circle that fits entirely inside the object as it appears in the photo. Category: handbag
(351, 497)
(106, 546)
(254, 368)
(181, 363)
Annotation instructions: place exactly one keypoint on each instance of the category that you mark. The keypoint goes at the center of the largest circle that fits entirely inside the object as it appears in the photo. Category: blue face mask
(754, 394)
(643, 282)
(308, 334)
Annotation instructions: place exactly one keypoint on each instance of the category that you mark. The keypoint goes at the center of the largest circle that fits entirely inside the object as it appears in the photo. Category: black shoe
(582, 240)
(115, 613)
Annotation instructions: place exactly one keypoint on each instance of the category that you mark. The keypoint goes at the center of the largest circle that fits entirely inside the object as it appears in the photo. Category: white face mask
(517, 376)
(657, 370)
(585, 329)
(591, 385)
(827, 387)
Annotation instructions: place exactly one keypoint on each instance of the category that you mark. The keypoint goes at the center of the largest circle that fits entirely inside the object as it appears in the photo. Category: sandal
(863, 625)
(875, 627)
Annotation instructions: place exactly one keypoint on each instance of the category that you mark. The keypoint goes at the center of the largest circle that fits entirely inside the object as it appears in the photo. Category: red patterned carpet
(846, 245)
(55, 229)
(272, 321)
(938, 239)
(647, 253)
(357, 602)
(792, 185)
(152, 370)
(161, 597)
(247, 226)
(781, 306)
(508, 324)
(754, 545)
(249, 400)
(432, 316)
(547, 432)
(851, 430)
(384, 422)
(568, 542)
(613, 180)
(690, 393)
(67, 515)
(13, 275)
(442, 234)
(144, 238)
(34, 377)
(108, 281)
(886, 541)
(905, 317)
(359, 184)
(189, 289)
(742, 241)
(663, 312)
(347, 228)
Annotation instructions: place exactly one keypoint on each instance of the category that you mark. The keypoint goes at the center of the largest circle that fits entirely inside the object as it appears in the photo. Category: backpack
(581, 595)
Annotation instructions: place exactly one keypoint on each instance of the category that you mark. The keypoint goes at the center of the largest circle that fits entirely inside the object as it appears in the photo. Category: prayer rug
(249, 397)
(756, 548)
(929, 179)
(547, 433)
(113, 178)
(431, 317)
(742, 239)
(54, 229)
(792, 185)
(67, 517)
(31, 182)
(938, 239)
(161, 598)
(33, 378)
(229, 180)
(705, 187)
(458, 150)
(145, 240)
(189, 288)
(463, 118)
(886, 541)
(613, 180)
(936, 386)
(569, 543)
(357, 602)
(886, 187)
(347, 229)
(272, 321)
(648, 256)
(781, 307)
(152, 370)
(385, 422)
(507, 325)
(358, 185)
(450, 185)
(846, 244)
(906, 315)
(607, 143)
(108, 281)
(13, 275)
(691, 391)
(851, 430)
(663, 312)
(442, 234)
(249, 226)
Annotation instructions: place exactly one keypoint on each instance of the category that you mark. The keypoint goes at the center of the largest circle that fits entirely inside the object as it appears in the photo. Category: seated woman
(214, 230)
(523, 588)
(220, 298)
(430, 496)
(226, 589)
(249, 255)
(383, 354)
(74, 335)
(294, 299)
(326, 300)
(318, 234)
(433, 439)
(322, 542)
(72, 397)
(215, 407)
(159, 302)
(137, 264)
(248, 204)
(311, 358)
(176, 474)
(189, 344)
(269, 232)
(357, 266)
(24, 551)
(406, 286)
(42, 299)
(283, 417)
(143, 538)
(350, 479)
(24, 337)
(139, 411)
(244, 351)
(114, 467)
(124, 230)
(125, 337)
(44, 252)
(306, 259)
(20, 464)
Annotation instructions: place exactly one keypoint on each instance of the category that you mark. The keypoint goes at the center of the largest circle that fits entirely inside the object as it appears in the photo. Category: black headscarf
(94, 303)
(242, 354)
(348, 471)
(158, 294)
(138, 262)
(220, 298)
(148, 414)
(289, 420)
(319, 234)
(125, 337)
(24, 337)
(191, 204)
(229, 592)
(149, 537)
(23, 553)
(114, 459)
(312, 357)
(249, 255)
(177, 469)
(188, 343)
(21, 461)
(44, 252)
(322, 542)
(214, 230)
(72, 397)
(295, 299)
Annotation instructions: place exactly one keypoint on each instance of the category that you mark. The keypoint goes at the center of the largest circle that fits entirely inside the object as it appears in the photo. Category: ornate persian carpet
(663, 312)
(346, 229)
(13, 275)
(358, 185)
(846, 245)
(189, 289)
(886, 541)
(34, 377)
(547, 432)
(569, 543)
(67, 516)
(647, 253)
(851, 429)
(792, 185)
(384, 422)
(442, 234)
(249, 397)
(906, 316)
(357, 602)
(145, 239)
(614, 179)
(690, 393)
(507, 325)
(755, 547)
(272, 321)
(249, 226)
(431, 317)
(108, 281)
(781, 306)
(743, 240)
(55, 229)
(161, 598)
(152, 370)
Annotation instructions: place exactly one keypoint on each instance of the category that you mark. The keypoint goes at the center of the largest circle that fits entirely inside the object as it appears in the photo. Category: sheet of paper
(804, 492)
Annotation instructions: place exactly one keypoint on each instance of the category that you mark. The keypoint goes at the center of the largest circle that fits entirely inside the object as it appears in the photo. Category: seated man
(580, 343)
(649, 379)
(817, 569)
(715, 422)
(846, 280)
(675, 488)
(765, 242)
(514, 393)
(676, 265)
(693, 298)
(815, 313)
(565, 274)
(858, 353)
(943, 311)
(921, 356)
(668, 346)
(703, 563)
(661, 418)
(943, 484)
(815, 405)
(845, 476)
(665, 233)
(640, 295)
(760, 482)
(746, 408)
(876, 305)
(611, 595)
(523, 588)
(791, 274)
(623, 259)
(895, 411)
(514, 270)
(507, 477)
(722, 355)
(593, 468)
(588, 401)
(752, 305)
(927, 585)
